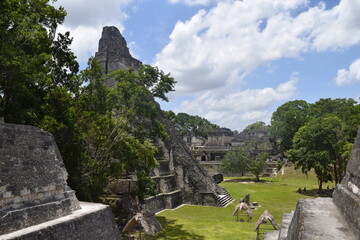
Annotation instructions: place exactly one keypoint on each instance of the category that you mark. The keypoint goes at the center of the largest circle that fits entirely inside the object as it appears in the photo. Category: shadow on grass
(171, 231)
(316, 193)
(248, 180)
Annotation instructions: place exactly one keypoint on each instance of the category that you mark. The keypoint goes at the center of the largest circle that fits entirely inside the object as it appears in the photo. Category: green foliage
(248, 158)
(32, 60)
(344, 108)
(257, 164)
(318, 145)
(117, 125)
(257, 126)
(287, 120)
(186, 124)
(335, 122)
(156, 81)
(235, 162)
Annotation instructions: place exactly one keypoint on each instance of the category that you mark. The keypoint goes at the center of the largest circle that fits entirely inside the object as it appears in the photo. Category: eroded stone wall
(33, 186)
(35, 201)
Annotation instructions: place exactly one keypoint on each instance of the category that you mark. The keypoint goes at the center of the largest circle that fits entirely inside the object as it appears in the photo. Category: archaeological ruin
(327, 218)
(180, 179)
(210, 151)
(35, 200)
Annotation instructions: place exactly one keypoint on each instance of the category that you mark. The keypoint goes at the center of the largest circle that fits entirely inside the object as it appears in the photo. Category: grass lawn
(276, 194)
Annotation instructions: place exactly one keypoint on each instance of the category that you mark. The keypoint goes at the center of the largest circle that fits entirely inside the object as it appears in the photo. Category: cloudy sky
(235, 61)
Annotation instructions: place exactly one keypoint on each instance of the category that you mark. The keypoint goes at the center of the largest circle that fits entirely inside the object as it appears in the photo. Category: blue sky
(235, 61)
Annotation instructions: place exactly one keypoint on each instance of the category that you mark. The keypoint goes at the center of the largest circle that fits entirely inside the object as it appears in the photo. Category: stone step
(163, 201)
(166, 183)
(224, 198)
(162, 168)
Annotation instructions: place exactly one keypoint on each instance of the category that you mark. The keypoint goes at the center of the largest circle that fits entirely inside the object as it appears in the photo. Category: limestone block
(92, 222)
(318, 219)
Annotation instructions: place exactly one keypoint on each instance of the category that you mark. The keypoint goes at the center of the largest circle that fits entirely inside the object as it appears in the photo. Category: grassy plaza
(276, 194)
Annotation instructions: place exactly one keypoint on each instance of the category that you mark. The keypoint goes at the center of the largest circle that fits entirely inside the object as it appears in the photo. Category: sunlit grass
(276, 194)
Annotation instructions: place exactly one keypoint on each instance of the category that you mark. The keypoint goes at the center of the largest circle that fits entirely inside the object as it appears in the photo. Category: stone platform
(318, 219)
(92, 222)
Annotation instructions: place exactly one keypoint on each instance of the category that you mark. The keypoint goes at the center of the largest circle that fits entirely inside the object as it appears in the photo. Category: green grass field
(277, 194)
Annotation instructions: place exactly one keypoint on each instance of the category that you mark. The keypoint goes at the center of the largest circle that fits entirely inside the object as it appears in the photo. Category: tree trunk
(320, 183)
(257, 179)
(336, 172)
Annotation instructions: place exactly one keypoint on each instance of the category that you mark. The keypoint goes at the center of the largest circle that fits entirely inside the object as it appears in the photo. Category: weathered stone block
(92, 222)
(318, 219)
(34, 184)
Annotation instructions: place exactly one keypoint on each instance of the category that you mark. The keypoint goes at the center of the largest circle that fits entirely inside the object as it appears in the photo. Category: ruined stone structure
(35, 201)
(113, 53)
(209, 152)
(179, 177)
(328, 218)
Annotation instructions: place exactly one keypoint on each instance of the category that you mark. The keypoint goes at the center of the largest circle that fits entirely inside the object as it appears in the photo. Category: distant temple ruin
(327, 218)
(35, 200)
(180, 179)
(210, 151)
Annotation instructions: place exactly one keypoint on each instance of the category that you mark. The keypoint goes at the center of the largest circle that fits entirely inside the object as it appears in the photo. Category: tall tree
(33, 61)
(186, 124)
(346, 109)
(286, 121)
(319, 145)
(118, 126)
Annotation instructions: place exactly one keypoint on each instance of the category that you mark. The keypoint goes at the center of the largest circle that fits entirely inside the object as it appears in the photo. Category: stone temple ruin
(327, 218)
(180, 179)
(211, 151)
(35, 200)
(37, 203)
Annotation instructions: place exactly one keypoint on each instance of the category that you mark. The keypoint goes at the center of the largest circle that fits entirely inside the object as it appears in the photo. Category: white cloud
(349, 77)
(229, 41)
(336, 28)
(194, 2)
(239, 108)
(85, 20)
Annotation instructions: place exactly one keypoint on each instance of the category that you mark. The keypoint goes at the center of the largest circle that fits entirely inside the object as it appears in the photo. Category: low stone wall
(163, 201)
(92, 222)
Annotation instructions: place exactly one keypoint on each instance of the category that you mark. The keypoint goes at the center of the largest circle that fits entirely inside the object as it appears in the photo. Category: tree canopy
(248, 158)
(319, 145)
(286, 121)
(318, 136)
(186, 124)
(102, 133)
(34, 61)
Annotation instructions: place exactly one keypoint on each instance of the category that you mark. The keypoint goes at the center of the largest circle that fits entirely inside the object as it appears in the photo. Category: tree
(346, 109)
(319, 145)
(286, 121)
(248, 158)
(32, 60)
(257, 126)
(186, 124)
(235, 162)
(118, 126)
(257, 164)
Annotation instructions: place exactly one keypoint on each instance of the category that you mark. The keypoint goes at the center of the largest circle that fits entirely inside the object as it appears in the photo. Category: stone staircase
(224, 198)
(168, 195)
